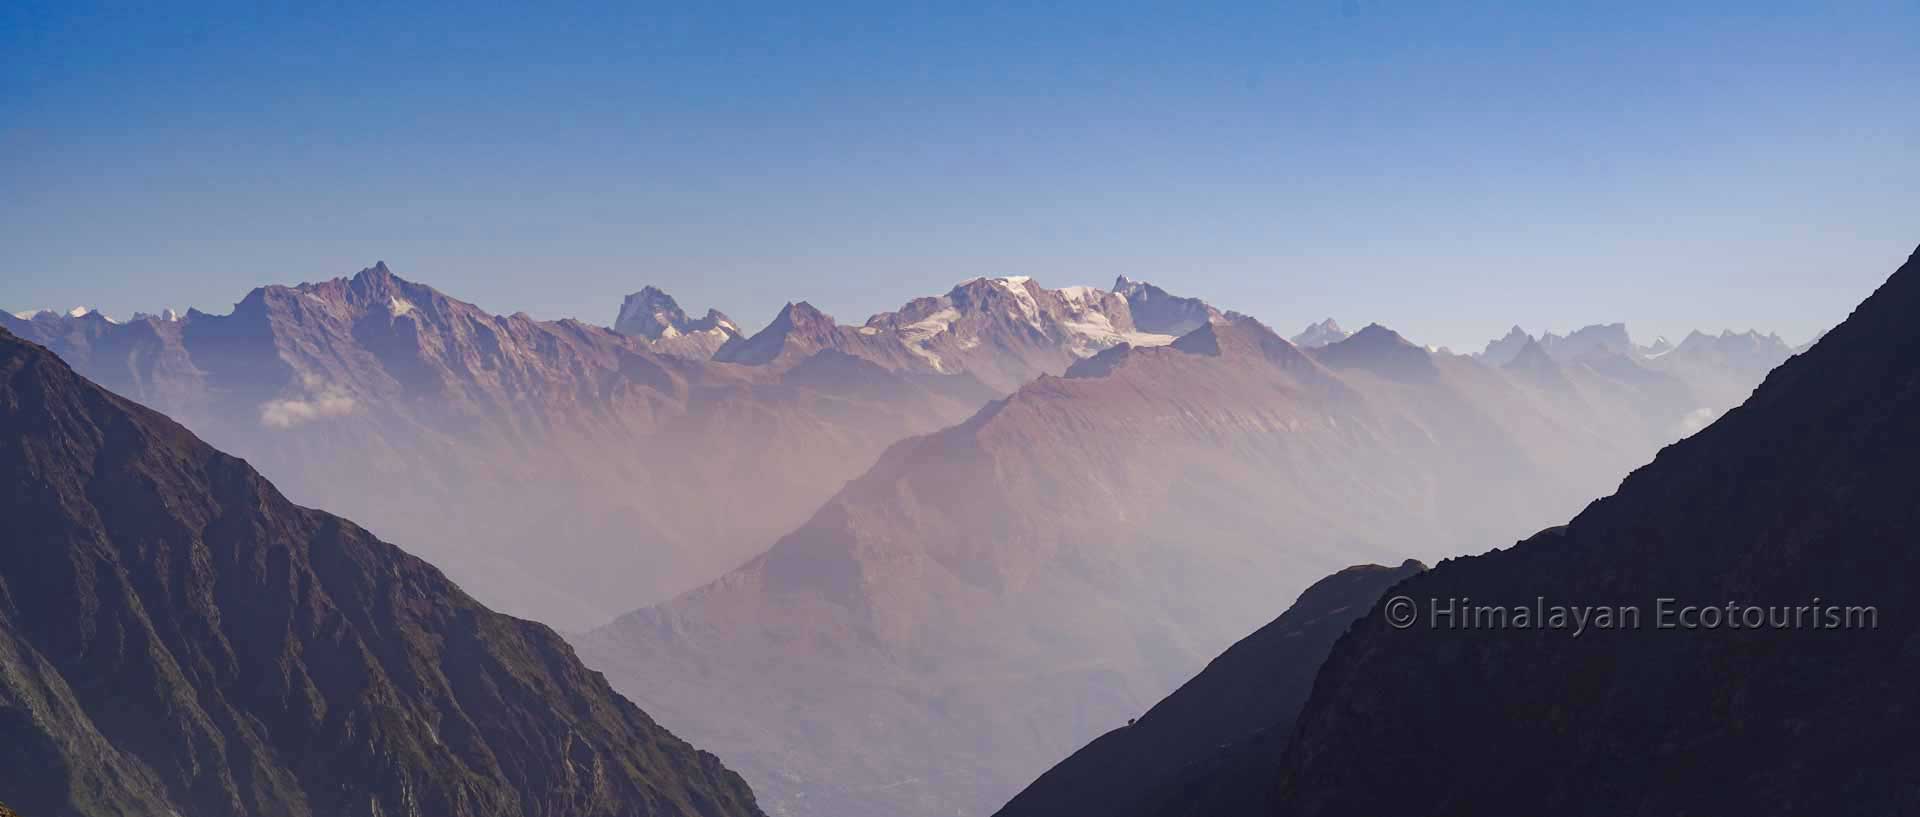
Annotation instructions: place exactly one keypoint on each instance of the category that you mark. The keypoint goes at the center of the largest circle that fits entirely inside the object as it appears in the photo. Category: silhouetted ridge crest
(1230, 716)
(1804, 491)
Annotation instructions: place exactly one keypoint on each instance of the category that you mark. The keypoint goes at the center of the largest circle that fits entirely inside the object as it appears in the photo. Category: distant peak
(652, 296)
(1129, 288)
(798, 328)
(651, 313)
(376, 280)
(1531, 355)
(800, 313)
(1381, 350)
(1320, 334)
(1378, 333)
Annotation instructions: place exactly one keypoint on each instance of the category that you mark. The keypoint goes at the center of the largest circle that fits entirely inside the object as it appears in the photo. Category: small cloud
(322, 401)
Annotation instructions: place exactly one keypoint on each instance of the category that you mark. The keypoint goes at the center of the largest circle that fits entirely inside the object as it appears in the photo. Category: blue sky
(1448, 169)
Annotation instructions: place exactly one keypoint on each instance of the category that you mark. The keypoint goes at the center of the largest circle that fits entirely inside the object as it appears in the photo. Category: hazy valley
(919, 559)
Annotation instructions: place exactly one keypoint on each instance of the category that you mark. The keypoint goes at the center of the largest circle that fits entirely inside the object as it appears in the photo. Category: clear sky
(1446, 168)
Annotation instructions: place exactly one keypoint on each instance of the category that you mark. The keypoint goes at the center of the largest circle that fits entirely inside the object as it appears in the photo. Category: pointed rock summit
(655, 316)
(1589, 342)
(1381, 351)
(798, 331)
(1501, 352)
(1320, 334)
(1157, 311)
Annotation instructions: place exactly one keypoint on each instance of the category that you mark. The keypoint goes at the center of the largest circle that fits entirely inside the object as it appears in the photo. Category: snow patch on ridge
(1016, 286)
(915, 335)
(1081, 294)
(930, 325)
(1094, 331)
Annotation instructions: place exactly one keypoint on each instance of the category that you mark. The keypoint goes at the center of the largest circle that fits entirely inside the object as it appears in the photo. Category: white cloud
(321, 402)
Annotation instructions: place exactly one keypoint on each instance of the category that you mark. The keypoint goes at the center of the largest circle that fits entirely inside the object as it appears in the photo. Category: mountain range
(987, 598)
(1776, 540)
(933, 482)
(653, 456)
(559, 470)
(176, 637)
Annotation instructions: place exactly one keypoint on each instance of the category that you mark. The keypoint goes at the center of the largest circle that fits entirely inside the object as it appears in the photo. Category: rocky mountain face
(654, 315)
(1230, 716)
(1156, 311)
(178, 638)
(1320, 334)
(1795, 508)
(560, 470)
(1002, 332)
(1702, 377)
(1502, 351)
(1723, 367)
(1588, 341)
(567, 472)
(1382, 352)
(988, 598)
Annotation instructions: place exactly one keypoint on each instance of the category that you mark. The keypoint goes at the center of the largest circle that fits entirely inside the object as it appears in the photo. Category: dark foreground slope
(1804, 496)
(177, 638)
(1242, 704)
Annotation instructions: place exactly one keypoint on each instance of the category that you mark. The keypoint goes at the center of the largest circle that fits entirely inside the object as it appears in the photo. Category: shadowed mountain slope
(1801, 498)
(1238, 706)
(178, 638)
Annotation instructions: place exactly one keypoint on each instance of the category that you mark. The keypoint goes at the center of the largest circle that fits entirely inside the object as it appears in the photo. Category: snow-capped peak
(1081, 294)
(79, 312)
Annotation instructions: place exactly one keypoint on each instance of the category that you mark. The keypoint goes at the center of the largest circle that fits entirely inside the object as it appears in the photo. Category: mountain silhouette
(1226, 718)
(1800, 499)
